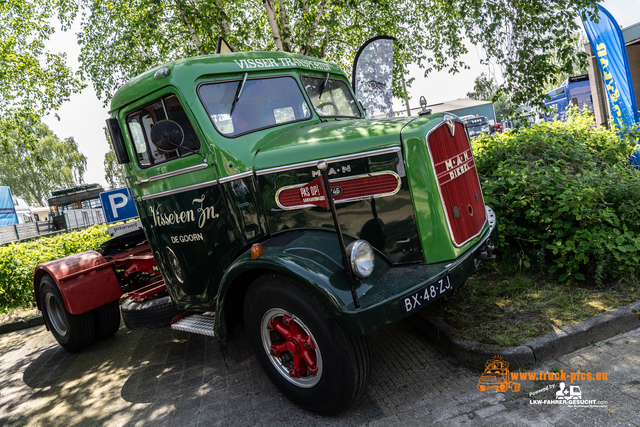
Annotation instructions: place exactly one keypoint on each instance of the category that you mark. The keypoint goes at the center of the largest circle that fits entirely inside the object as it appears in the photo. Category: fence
(10, 233)
(76, 218)
(80, 218)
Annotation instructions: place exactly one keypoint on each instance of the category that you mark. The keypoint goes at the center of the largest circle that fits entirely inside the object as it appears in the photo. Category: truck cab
(575, 91)
(268, 200)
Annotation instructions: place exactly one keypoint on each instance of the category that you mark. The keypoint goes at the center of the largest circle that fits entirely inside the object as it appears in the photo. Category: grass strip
(492, 308)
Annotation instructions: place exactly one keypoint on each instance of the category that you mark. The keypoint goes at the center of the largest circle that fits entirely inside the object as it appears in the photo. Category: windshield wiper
(238, 93)
(324, 84)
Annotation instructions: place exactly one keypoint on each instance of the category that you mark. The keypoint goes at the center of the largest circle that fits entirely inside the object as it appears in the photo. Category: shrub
(565, 193)
(18, 260)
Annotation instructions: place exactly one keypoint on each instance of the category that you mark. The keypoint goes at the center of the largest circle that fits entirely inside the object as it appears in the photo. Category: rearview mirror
(117, 141)
(167, 135)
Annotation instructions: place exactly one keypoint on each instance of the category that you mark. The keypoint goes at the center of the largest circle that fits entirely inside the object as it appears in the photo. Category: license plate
(425, 295)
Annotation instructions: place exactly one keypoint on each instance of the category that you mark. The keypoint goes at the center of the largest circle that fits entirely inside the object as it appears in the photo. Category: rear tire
(73, 332)
(280, 314)
(149, 314)
(106, 319)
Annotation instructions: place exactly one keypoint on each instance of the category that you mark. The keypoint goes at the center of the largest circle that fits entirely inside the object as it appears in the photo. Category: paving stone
(165, 378)
(491, 410)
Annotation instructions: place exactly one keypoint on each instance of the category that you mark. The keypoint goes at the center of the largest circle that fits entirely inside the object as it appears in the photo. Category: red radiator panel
(458, 182)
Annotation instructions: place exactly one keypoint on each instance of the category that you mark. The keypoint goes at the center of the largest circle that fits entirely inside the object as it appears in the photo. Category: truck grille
(458, 181)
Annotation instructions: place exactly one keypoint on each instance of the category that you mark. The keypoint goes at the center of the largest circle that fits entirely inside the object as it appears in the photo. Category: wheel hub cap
(56, 315)
(291, 348)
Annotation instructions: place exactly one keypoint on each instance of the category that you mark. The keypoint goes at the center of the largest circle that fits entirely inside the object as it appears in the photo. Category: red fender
(86, 281)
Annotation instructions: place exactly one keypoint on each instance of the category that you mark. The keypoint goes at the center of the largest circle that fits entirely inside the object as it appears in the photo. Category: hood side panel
(387, 222)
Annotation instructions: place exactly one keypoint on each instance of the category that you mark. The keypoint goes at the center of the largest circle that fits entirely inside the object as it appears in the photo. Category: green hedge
(18, 260)
(566, 197)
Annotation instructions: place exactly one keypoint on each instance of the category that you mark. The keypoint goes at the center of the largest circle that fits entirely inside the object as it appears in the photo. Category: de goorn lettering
(201, 215)
(195, 237)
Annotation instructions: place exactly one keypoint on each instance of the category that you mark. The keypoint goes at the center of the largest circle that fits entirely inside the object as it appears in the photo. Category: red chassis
(90, 279)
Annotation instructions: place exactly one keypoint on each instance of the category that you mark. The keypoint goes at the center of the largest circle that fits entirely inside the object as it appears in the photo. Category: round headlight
(360, 255)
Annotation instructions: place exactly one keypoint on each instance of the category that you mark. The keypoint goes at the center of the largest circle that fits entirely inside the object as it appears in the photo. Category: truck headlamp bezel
(361, 258)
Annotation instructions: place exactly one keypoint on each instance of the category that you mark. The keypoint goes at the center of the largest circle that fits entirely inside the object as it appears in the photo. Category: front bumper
(380, 306)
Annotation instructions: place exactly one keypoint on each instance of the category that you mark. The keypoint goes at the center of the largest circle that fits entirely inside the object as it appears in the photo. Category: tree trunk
(224, 25)
(306, 47)
(269, 6)
(286, 29)
(406, 95)
(192, 33)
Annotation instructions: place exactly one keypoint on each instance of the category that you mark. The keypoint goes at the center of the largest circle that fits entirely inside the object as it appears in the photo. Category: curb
(21, 324)
(531, 352)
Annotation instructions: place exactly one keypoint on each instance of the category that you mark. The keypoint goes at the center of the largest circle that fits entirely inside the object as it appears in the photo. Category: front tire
(311, 359)
(73, 332)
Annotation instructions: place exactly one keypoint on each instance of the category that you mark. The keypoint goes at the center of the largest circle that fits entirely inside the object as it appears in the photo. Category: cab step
(195, 323)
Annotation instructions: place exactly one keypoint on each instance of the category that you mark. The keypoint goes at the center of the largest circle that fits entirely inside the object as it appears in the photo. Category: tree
(578, 40)
(49, 164)
(114, 173)
(122, 38)
(486, 89)
(33, 80)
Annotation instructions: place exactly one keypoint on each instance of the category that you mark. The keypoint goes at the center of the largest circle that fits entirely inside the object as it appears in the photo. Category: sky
(83, 116)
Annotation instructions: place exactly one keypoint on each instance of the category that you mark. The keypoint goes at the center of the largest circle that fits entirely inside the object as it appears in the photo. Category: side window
(142, 121)
(330, 97)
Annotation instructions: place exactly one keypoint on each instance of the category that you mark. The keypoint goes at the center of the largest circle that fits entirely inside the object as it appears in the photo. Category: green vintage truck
(268, 202)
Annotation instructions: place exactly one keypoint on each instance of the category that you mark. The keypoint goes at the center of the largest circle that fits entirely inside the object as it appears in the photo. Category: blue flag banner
(607, 44)
(7, 210)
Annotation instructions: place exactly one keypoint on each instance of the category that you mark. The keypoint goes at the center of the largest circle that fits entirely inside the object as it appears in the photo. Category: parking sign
(118, 205)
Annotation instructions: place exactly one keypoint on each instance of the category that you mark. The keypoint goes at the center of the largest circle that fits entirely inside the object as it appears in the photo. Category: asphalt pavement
(170, 378)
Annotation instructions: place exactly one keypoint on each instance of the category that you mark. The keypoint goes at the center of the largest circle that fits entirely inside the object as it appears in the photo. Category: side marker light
(256, 250)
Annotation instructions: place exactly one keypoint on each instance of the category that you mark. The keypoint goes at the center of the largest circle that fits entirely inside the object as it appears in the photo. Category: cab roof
(186, 71)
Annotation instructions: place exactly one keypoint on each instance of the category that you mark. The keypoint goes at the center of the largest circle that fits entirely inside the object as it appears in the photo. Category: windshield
(261, 103)
(330, 97)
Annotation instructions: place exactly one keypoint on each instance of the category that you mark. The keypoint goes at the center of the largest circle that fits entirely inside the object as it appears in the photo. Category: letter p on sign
(118, 205)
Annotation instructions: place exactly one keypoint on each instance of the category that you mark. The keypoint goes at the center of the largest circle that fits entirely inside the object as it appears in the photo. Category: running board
(194, 323)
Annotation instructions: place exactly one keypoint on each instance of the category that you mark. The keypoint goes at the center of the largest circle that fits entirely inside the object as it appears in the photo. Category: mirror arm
(204, 158)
